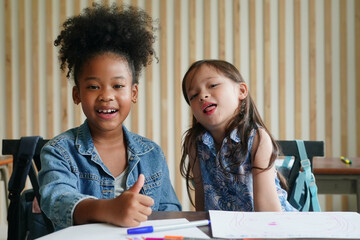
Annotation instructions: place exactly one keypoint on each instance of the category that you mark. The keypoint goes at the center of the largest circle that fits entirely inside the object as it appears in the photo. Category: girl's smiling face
(106, 92)
(214, 98)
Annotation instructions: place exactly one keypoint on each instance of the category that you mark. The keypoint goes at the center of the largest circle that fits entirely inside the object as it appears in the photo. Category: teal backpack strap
(310, 184)
(298, 191)
(302, 150)
(286, 161)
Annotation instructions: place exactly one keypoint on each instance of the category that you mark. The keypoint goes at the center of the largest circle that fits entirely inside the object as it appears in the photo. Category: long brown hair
(246, 119)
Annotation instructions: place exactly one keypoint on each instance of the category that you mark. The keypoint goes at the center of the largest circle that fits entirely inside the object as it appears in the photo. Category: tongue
(209, 108)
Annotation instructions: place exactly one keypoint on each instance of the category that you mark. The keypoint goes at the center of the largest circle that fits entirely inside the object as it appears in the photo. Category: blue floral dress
(226, 191)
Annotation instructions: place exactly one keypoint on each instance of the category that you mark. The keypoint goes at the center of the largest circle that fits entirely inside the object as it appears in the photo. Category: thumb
(138, 185)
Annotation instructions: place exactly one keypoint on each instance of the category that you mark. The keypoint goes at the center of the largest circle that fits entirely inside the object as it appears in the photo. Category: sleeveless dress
(224, 190)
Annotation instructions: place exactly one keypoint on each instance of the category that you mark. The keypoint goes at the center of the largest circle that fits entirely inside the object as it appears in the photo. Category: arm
(65, 204)
(265, 194)
(58, 187)
(127, 210)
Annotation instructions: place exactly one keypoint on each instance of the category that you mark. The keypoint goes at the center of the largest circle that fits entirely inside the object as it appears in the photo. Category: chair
(26, 220)
(289, 148)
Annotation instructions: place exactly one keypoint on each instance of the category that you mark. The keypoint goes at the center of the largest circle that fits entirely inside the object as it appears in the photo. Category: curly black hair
(125, 31)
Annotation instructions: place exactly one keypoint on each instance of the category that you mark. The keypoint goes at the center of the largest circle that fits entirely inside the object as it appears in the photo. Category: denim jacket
(72, 170)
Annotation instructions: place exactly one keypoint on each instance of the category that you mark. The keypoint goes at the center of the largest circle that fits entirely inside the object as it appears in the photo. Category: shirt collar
(85, 145)
(208, 140)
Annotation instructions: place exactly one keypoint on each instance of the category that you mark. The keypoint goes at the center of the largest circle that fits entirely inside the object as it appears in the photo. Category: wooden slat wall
(149, 88)
(35, 68)
(357, 62)
(177, 95)
(344, 85)
(328, 87)
(7, 130)
(281, 69)
(49, 70)
(22, 68)
(267, 63)
(164, 76)
(236, 33)
(279, 50)
(297, 65)
(312, 69)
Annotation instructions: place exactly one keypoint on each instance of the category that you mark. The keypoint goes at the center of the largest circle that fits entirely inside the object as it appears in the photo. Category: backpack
(303, 193)
(23, 223)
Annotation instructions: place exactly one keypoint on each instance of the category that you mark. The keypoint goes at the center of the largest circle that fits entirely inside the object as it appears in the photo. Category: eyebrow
(113, 78)
(205, 79)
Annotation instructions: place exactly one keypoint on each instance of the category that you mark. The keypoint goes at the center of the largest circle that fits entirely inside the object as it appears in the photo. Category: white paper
(226, 224)
(107, 231)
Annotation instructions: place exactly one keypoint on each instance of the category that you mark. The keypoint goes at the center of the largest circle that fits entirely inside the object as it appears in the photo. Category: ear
(134, 93)
(76, 95)
(243, 91)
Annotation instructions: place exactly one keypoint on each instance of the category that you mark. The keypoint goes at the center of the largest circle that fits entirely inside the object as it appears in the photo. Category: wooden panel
(192, 37)
(343, 78)
(9, 66)
(22, 68)
(281, 68)
(106, 2)
(49, 71)
(192, 47)
(77, 107)
(297, 69)
(236, 33)
(192, 31)
(207, 30)
(178, 96)
(328, 90)
(121, 2)
(328, 78)
(357, 40)
(343, 87)
(267, 64)
(135, 107)
(252, 43)
(163, 77)
(221, 27)
(312, 68)
(35, 67)
(90, 2)
(149, 87)
(64, 86)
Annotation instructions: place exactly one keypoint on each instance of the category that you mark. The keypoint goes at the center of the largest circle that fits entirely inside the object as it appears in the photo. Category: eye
(119, 86)
(92, 87)
(192, 97)
(214, 85)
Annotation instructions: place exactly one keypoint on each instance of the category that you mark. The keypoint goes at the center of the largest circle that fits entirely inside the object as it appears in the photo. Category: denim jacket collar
(85, 144)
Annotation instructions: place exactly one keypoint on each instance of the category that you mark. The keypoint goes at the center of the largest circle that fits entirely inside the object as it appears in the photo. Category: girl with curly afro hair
(100, 171)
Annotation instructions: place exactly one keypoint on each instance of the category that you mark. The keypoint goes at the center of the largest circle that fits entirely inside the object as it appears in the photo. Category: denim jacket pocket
(152, 183)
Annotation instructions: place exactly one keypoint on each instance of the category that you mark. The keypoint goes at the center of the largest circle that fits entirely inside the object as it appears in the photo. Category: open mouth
(209, 108)
(107, 111)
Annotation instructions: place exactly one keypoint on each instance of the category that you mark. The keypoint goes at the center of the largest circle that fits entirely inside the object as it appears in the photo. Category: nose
(203, 96)
(106, 95)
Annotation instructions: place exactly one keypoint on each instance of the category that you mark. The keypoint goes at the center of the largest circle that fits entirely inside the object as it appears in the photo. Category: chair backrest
(11, 147)
(290, 148)
(20, 217)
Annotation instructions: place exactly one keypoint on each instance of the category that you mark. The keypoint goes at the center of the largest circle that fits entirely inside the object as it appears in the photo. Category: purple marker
(150, 229)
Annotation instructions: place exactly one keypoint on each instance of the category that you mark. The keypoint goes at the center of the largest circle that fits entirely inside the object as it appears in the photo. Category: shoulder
(262, 148)
(62, 138)
(140, 144)
(261, 137)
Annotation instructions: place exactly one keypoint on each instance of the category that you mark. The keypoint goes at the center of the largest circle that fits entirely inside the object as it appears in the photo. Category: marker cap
(140, 230)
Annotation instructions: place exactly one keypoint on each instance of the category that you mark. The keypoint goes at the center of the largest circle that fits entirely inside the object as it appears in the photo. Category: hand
(131, 207)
